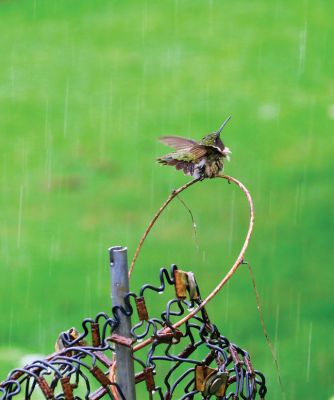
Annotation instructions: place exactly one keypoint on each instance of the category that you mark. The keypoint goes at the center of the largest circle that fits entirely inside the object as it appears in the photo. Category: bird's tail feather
(188, 167)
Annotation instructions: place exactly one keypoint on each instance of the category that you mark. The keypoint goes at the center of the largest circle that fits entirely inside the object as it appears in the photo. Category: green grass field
(87, 87)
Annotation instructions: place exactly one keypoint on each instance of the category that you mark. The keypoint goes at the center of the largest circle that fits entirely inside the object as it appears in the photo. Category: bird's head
(214, 140)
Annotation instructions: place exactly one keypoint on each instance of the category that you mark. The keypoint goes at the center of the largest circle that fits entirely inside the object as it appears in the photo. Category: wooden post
(119, 288)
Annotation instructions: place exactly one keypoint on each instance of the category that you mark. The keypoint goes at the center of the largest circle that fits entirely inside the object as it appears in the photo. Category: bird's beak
(224, 123)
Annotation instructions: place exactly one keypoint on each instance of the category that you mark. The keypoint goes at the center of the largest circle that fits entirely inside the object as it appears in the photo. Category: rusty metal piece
(141, 309)
(100, 376)
(59, 345)
(185, 353)
(139, 377)
(181, 283)
(192, 286)
(168, 336)
(103, 359)
(67, 388)
(146, 375)
(73, 334)
(209, 358)
(15, 375)
(201, 373)
(235, 356)
(45, 388)
(185, 283)
(112, 376)
(149, 378)
(122, 340)
(96, 340)
(210, 381)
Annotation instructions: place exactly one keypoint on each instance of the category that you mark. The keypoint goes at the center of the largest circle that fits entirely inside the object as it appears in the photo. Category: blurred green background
(87, 87)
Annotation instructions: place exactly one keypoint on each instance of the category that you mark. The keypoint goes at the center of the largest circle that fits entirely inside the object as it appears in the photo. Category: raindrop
(308, 369)
(100, 263)
(144, 21)
(270, 202)
(297, 204)
(53, 249)
(34, 8)
(211, 24)
(10, 326)
(28, 288)
(12, 83)
(19, 224)
(25, 169)
(48, 147)
(302, 49)
(88, 295)
(4, 246)
(66, 108)
(298, 317)
(103, 129)
(152, 187)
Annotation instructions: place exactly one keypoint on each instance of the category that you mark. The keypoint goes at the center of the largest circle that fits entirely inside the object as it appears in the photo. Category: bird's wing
(198, 151)
(192, 154)
(177, 142)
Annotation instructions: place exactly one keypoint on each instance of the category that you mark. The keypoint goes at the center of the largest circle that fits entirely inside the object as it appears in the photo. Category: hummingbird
(202, 159)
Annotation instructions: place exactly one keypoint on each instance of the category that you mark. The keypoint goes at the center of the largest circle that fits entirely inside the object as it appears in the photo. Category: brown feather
(177, 142)
(198, 151)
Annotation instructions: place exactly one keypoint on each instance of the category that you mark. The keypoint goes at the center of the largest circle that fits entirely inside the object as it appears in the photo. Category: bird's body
(202, 159)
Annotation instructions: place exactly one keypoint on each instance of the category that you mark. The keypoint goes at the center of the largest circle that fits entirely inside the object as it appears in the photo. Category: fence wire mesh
(194, 361)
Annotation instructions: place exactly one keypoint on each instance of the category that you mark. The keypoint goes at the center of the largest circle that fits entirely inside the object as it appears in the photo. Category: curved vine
(229, 274)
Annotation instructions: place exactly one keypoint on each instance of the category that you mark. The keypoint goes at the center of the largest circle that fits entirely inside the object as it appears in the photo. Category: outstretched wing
(177, 142)
(188, 159)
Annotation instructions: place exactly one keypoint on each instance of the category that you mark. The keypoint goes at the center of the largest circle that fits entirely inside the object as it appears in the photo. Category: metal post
(119, 288)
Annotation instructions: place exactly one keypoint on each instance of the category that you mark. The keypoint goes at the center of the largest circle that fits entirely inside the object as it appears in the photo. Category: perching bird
(203, 159)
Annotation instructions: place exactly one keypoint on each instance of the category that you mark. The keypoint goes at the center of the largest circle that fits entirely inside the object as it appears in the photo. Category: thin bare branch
(154, 219)
(194, 225)
(230, 273)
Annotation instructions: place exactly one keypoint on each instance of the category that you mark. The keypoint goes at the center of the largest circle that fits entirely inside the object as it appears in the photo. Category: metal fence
(111, 355)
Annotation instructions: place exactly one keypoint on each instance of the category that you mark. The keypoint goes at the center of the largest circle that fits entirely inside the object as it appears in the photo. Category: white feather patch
(227, 153)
